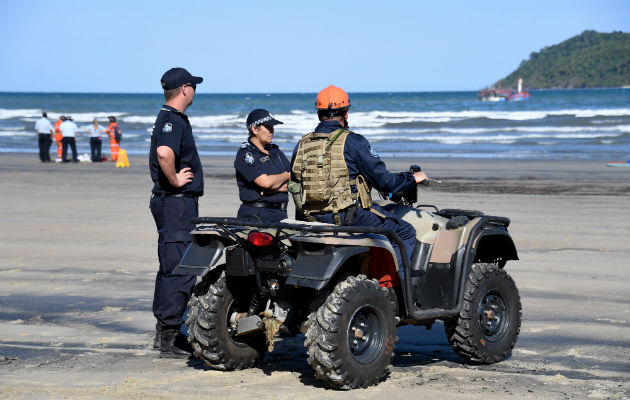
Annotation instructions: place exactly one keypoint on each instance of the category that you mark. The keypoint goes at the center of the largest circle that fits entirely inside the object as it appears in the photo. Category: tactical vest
(322, 181)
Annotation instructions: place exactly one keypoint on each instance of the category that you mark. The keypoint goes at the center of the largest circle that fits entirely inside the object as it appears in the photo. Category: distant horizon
(312, 93)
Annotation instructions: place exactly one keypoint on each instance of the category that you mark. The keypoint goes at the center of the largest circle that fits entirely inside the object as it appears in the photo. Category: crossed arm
(273, 183)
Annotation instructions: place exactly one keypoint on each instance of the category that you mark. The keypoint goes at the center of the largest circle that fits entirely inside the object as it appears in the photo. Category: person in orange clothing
(59, 136)
(115, 135)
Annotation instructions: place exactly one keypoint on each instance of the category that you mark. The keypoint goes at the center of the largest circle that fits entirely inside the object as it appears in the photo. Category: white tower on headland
(520, 85)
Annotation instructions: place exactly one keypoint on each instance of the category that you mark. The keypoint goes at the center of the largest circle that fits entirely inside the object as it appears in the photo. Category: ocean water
(553, 124)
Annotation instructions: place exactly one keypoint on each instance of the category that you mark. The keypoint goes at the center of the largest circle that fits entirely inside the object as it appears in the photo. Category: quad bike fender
(203, 253)
(425, 223)
(493, 245)
(314, 269)
(488, 241)
(448, 242)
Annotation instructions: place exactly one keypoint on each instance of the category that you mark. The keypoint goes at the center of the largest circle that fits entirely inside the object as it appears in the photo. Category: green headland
(588, 60)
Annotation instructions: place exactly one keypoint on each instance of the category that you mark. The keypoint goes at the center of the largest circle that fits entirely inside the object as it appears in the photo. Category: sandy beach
(78, 247)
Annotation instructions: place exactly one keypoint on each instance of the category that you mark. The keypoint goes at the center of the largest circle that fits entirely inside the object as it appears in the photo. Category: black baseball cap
(176, 77)
(261, 117)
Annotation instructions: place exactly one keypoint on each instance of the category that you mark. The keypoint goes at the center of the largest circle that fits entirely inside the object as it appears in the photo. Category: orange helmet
(332, 98)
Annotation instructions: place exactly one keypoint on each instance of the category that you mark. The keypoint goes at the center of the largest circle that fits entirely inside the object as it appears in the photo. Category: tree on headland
(588, 60)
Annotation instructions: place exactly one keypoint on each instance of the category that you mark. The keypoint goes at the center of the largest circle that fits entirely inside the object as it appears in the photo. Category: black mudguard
(494, 245)
(201, 255)
(314, 269)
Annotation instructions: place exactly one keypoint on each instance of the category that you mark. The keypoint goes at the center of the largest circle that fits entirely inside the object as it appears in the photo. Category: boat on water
(493, 94)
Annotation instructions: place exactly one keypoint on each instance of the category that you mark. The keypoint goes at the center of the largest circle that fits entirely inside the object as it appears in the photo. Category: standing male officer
(177, 183)
(45, 133)
(342, 195)
(69, 132)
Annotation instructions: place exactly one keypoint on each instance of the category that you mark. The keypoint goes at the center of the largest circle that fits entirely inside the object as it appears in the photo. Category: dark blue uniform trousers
(65, 142)
(173, 217)
(367, 218)
(95, 149)
(44, 141)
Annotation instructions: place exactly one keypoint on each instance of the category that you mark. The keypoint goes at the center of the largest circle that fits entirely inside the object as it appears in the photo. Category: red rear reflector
(260, 239)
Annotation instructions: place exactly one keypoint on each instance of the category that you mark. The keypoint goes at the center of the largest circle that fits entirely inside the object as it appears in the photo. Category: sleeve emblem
(248, 158)
(168, 128)
(373, 153)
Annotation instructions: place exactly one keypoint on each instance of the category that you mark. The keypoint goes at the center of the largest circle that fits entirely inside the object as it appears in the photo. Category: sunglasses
(192, 85)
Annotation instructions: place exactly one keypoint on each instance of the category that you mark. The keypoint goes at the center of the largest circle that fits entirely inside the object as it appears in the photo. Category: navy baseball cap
(176, 77)
(261, 117)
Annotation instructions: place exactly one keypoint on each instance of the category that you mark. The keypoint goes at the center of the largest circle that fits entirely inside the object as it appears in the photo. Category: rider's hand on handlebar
(420, 177)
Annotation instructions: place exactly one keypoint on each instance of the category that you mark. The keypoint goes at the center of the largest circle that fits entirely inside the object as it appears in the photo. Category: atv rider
(334, 169)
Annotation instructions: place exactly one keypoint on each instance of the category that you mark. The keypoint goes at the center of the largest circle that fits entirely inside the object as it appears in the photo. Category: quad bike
(341, 286)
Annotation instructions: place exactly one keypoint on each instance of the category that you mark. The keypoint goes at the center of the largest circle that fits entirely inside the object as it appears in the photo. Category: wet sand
(78, 260)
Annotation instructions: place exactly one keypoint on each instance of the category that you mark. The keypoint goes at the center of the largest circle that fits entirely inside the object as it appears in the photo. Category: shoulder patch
(248, 158)
(373, 153)
(168, 128)
(244, 145)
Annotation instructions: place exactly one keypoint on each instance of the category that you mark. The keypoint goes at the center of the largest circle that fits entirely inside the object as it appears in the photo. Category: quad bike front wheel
(350, 339)
(211, 334)
(486, 329)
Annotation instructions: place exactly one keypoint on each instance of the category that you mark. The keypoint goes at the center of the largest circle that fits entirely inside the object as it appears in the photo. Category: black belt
(190, 195)
(261, 204)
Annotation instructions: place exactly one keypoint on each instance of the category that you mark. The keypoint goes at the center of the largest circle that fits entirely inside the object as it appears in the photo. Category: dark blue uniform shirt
(250, 163)
(363, 160)
(173, 129)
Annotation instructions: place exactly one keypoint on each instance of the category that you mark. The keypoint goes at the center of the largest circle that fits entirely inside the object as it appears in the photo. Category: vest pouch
(364, 190)
(295, 188)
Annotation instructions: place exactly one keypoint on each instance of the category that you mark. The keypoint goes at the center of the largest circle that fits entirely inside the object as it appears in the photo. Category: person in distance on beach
(95, 141)
(45, 135)
(262, 171)
(177, 177)
(343, 196)
(59, 137)
(69, 131)
(114, 133)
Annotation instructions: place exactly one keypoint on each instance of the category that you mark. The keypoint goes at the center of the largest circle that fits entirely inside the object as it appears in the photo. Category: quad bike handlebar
(409, 197)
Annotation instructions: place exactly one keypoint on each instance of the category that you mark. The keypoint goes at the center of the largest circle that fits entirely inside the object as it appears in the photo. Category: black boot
(157, 340)
(173, 345)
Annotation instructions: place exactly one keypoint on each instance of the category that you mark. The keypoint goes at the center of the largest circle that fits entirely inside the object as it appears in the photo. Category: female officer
(262, 172)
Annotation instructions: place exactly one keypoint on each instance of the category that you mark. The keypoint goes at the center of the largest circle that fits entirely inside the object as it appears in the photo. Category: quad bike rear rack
(486, 221)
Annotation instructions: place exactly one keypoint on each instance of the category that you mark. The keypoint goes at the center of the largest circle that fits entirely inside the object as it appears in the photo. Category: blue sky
(284, 46)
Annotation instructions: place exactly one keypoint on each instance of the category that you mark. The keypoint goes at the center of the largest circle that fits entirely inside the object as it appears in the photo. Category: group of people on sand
(64, 133)
(330, 177)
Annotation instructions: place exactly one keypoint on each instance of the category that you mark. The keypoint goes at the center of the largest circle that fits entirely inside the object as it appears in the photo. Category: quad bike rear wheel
(486, 329)
(211, 334)
(350, 339)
